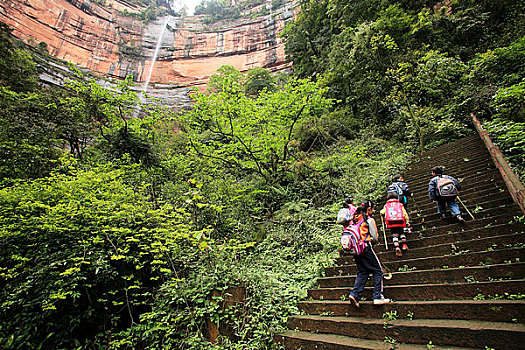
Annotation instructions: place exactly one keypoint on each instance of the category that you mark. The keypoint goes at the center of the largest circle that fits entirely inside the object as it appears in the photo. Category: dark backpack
(446, 187)
(396, 188)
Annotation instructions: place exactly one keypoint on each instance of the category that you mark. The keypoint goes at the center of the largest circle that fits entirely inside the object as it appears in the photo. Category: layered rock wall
(82, 32)
(99, 38)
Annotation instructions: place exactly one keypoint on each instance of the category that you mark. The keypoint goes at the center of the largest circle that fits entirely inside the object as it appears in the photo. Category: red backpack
(351, 241)
(394, 216)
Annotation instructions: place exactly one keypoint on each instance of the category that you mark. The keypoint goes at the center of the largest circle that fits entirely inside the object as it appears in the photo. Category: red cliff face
(78, 31)
(100, 39)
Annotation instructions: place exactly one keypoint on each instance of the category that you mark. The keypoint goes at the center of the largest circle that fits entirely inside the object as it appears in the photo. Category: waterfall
(155, 54)
(152, 65)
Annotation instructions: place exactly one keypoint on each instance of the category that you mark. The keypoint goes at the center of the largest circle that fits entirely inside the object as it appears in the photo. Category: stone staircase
(459, 286)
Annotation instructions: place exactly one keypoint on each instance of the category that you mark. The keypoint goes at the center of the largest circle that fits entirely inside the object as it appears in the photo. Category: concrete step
(471, 179)
(465, 167)
(451, 160)
(445, 249)
(443, 154)
(490, 209)
(454, 236)
(476, 334)
(436, 291)
(481, 310)
(497, 256)
(471, 199)
(318, 341)
(447, 161)
(439, 227)
(467, 190)
(452, 275)
(466, 143)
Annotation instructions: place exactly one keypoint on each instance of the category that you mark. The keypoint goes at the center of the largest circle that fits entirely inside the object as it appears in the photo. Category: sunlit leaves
(252, 134)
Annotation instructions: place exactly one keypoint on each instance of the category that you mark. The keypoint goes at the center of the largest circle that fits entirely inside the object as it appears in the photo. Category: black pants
(368, 263)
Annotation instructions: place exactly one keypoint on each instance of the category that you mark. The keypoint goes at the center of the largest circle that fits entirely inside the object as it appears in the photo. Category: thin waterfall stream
(155, 54)
(152, 65)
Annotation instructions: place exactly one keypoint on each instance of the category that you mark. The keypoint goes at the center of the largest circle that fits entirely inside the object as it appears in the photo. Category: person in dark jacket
(436, 191)
(400, 187)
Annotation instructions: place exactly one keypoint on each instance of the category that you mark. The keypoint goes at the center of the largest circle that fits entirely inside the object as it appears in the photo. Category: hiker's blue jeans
(442, 203)
(368, 263)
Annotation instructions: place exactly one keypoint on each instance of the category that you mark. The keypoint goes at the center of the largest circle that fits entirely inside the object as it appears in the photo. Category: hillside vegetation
(122, 233)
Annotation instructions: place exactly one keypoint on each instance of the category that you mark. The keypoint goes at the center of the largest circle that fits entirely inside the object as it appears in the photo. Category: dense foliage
(413, 70)
(119, 232)
(226, 10)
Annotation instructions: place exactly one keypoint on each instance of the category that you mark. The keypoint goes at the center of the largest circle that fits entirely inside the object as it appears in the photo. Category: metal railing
(514, 185)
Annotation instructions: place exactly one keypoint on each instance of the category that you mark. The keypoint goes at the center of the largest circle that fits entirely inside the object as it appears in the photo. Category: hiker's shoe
(460, 219)
(404, 246)
(353, 301)
(381, 301)
(398, 252)
(443, 216)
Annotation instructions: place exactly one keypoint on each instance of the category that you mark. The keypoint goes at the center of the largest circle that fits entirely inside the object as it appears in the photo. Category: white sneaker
(381, 301)
(353, 301)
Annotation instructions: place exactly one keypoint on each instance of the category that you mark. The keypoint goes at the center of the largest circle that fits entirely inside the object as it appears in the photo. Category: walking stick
(384, 232)
(469, 213)
(388, 273)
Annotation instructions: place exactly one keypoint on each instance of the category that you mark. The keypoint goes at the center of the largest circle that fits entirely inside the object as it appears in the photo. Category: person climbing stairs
(459, 286)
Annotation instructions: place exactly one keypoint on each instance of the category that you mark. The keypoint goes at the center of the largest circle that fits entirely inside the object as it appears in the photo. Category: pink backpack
(394, 216)
(351, 241)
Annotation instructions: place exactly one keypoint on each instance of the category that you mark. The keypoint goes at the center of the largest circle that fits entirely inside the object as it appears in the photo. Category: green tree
(252, 135)
(423, 94)
(17, 69)
(257, 80)
(111, 111)
(82, 255)
(226, 78)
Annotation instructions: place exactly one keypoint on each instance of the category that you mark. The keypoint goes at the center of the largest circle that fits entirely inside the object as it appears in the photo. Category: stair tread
(415, 272)
(434, 323)
(444, 285)
(350, 342)
(486, 239)
(492, 252)
(429, 302)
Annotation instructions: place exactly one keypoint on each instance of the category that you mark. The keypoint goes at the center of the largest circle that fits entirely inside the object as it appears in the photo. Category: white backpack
(343, 216)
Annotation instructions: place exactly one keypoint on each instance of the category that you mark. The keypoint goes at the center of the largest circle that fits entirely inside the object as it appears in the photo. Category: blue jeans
(368, 263)
(442, 203)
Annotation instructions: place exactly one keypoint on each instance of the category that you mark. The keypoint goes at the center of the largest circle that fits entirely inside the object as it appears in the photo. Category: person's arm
(432, 189)
(407, 218)
(372, 228)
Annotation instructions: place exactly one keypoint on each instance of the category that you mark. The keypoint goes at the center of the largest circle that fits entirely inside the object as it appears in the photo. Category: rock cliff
(96, 35)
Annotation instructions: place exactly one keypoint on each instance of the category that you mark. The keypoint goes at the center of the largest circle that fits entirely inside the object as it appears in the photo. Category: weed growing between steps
(505, 296)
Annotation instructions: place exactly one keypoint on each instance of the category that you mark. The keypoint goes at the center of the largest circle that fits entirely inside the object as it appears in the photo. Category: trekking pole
(388, 275)
(464, 206)
(384, 232)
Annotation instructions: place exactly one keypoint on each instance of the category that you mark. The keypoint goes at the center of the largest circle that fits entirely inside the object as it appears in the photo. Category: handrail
(514, 185)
